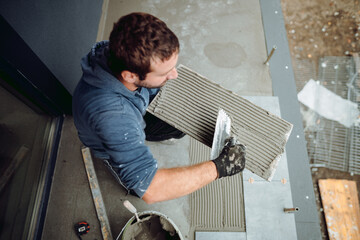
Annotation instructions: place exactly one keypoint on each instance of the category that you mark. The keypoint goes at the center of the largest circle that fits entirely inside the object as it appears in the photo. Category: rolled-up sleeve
(124, 141)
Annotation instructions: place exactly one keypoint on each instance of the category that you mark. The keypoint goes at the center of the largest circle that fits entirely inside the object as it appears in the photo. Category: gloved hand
(231, 159)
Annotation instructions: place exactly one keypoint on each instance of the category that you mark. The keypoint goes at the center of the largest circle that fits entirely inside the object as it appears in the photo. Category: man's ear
(129, 77)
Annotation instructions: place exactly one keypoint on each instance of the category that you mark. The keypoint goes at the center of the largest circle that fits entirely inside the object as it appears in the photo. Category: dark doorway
(32, 107)
(24, 139)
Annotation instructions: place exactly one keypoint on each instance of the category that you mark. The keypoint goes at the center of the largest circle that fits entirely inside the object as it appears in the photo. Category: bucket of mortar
(152, 226)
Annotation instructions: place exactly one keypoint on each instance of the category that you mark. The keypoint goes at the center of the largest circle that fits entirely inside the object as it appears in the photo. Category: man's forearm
(176, 182)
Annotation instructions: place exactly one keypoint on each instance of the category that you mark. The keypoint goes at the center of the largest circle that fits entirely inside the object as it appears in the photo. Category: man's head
(143, 50)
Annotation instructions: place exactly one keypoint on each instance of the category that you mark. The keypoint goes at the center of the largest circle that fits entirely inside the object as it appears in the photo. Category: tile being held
(194, 111)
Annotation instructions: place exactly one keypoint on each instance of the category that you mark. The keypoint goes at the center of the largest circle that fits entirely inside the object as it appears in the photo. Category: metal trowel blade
(222, 132)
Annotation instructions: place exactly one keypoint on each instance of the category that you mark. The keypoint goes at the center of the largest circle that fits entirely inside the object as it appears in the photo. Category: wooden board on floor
(341, 207)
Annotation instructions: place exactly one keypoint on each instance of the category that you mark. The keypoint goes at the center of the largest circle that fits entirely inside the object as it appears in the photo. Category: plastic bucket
(152, 225)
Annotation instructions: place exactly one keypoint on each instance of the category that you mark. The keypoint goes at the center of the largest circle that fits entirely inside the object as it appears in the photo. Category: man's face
(160, 72)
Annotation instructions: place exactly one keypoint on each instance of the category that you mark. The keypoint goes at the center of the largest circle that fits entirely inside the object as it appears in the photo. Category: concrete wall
(59, 32)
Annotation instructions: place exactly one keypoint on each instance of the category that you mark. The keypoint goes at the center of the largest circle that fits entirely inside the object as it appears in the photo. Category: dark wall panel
(59, 32)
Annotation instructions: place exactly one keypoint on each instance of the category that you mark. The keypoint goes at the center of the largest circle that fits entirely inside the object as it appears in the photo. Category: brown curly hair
(135, 39)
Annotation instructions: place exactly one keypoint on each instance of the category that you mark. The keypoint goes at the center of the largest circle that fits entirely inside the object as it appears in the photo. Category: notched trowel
(222, 132)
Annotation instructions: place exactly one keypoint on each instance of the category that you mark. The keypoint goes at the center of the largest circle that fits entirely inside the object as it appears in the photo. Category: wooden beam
(97, 197)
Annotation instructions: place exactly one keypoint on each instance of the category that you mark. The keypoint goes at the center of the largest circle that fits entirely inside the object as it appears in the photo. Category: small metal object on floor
(97, 197)
(270, 55)
(291, 210)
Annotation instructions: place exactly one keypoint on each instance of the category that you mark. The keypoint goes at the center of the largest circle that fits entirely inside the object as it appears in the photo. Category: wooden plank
(341, 207)
(97, 197)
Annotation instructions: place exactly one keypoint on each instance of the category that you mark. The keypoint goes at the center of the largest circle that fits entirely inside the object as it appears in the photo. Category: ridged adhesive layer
(191, 103)
(220, 205)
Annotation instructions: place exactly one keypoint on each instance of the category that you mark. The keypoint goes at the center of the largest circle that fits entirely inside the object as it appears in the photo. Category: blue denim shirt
(109, 120)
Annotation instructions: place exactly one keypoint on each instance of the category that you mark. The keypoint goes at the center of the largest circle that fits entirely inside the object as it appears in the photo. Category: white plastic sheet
(328, 104)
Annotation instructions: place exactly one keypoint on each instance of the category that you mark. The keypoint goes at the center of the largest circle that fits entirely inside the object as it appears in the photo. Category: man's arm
(177, 182)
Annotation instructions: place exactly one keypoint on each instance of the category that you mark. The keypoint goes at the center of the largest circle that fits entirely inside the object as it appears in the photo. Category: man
(120, 78)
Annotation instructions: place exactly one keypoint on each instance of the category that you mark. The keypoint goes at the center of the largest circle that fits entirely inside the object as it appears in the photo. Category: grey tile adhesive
(218, 206)
(191, 103)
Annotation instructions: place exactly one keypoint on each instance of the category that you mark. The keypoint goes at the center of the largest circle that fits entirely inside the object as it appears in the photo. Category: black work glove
(231, 159)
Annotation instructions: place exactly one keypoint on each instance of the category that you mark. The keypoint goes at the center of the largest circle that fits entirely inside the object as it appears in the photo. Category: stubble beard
(142, 83)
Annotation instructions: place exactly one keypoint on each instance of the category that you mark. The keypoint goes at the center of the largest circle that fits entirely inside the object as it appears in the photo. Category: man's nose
(173, 74)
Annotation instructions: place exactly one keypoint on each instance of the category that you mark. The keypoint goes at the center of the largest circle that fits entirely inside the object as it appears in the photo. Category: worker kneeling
(120, 78)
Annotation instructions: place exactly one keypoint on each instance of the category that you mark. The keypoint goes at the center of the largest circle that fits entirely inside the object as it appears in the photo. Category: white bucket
(152, 225)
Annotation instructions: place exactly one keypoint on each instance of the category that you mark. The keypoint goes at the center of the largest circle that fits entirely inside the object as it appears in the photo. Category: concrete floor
(223, 40)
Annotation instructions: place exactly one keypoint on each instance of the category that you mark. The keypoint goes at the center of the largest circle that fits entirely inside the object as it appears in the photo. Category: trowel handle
(130, 207)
